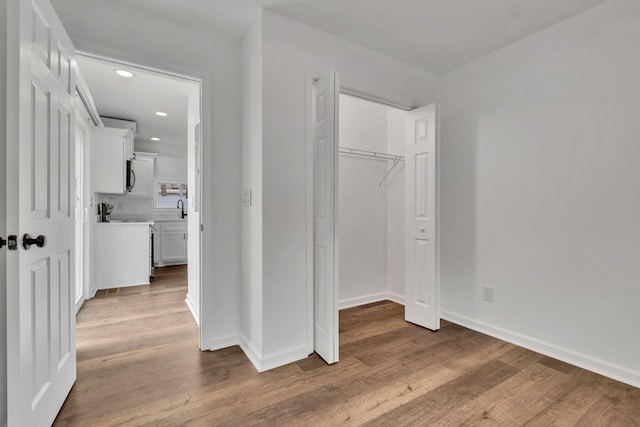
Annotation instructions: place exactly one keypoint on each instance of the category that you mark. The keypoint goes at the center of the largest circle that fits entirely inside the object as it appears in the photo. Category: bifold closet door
(421, 216)
(324, 124)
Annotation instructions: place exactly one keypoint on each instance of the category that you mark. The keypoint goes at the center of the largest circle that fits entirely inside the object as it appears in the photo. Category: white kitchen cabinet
(171, 242)
(109, 163)
(142, 166)
(122, 254)
(130, 136)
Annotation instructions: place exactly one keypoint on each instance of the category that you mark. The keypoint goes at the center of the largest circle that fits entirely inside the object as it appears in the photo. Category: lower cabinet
(170, 243)
(121, 254)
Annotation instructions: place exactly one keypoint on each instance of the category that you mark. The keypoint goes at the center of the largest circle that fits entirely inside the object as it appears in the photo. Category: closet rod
(370, 154)
(376, 156)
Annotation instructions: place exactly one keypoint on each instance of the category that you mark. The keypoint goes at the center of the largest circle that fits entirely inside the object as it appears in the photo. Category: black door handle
(39, 241)
(2, 242)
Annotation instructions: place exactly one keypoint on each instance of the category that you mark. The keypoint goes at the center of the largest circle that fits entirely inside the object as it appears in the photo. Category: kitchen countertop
(125, 223)
(155, 217)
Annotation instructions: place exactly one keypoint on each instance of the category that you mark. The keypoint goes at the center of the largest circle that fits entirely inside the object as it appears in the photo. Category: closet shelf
(370, 154)
(374, 155)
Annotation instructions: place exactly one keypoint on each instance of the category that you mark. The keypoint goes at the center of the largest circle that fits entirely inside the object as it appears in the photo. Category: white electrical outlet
(488, 293)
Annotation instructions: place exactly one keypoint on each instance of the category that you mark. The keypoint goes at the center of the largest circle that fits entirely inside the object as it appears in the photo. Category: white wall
(251, 288)
(151, 40)
(395, 185)
(540, 151)
(286, 59)
(362, 204)
(3, 223)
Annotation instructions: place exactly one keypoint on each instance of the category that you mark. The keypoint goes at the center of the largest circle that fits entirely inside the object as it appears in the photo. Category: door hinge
(201, 227)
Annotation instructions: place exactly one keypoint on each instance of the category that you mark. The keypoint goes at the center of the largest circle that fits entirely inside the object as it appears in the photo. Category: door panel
(63, 162)
(173, 246)
(41, 362)
(324, 113)
(421, 230)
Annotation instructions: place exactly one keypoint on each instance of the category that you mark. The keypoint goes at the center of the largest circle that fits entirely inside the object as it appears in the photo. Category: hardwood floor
(139, 364)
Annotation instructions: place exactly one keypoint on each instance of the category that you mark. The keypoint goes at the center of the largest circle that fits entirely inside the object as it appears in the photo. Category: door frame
(311, 76)
(202, 80)
(81, 230)
(85, 113)
(3, 219)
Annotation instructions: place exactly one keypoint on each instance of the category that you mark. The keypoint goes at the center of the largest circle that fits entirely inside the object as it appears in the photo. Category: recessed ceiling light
(124, 73)
(161, 114)
(155, 139)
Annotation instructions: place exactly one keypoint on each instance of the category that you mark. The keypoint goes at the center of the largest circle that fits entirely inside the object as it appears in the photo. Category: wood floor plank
(139, 365)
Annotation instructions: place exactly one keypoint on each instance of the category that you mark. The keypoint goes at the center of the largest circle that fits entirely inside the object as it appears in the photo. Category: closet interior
(371, 202)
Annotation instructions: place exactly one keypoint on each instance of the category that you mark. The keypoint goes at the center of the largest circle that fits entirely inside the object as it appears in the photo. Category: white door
(324, 125)
(421, 216)
(41, 357)
(80, 218)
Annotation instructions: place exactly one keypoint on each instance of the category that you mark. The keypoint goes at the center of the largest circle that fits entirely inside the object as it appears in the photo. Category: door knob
(422, 229)
(39, 241)
(2, 242)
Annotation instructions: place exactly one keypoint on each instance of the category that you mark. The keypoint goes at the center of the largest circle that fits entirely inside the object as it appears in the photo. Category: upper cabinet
(130, 137)
(142, 175)
(109, 163)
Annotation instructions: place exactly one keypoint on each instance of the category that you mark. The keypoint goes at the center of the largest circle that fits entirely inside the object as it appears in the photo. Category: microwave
(131, 176)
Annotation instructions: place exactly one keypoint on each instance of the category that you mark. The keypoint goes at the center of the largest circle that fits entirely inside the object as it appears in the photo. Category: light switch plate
(246, 197)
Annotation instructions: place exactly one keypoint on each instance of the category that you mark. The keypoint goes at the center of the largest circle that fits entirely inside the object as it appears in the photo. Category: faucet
(180, 205)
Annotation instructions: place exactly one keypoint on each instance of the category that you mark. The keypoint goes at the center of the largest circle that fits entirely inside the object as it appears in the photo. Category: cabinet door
(143, 170)
(173, 246)
(128, 145)
(130, 133)
(109, 164)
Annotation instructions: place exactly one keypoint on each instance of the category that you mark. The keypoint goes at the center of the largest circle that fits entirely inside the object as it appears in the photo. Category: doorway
(162, 112)
(382, 238)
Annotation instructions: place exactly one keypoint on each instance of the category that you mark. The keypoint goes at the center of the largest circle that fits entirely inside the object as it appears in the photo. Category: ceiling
(138, 98)
(435, 35)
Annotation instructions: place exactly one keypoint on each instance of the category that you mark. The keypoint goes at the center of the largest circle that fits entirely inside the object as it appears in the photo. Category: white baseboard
(284, 357)
(169, 263)
(397, 298)
(192, 308)
(264, 363)
(258, 360)
(371, 298)
(365, 299)
(225, 341)
(599, 366)
(253, 354)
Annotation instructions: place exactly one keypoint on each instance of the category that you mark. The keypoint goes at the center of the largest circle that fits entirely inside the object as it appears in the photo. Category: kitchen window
(169, 193)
